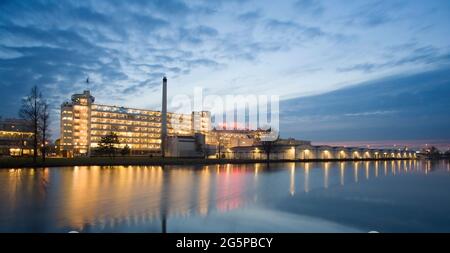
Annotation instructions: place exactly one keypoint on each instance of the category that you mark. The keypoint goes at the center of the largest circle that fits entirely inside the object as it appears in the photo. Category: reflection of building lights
(367, 170)
(376, 168)
(306, 177)
(292, 183)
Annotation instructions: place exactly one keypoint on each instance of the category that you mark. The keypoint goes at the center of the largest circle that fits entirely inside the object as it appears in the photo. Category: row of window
(129, 140)
(106, 108)
(133, 146)
(124, 116)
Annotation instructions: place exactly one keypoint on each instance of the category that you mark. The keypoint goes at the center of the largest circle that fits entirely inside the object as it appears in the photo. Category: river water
(383, 196)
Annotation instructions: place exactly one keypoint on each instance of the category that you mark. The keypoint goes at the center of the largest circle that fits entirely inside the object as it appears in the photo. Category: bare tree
(267, 146)
(220, 143)
(44, 121)
(30, 111)
(268, 142)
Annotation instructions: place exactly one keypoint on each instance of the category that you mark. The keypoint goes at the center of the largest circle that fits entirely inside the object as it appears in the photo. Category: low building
(290, 149)
(16, 138)
(189, 146)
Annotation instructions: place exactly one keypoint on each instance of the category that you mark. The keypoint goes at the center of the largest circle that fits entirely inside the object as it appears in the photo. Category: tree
(125, 151)
(267, 147)
(447, 154)
(432, 153)
(44, 120)
(108, 143)
(268, 142)
(220, 140)
(30, 111)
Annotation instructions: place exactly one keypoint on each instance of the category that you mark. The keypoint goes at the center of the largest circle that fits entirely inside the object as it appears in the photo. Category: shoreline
(11, 163)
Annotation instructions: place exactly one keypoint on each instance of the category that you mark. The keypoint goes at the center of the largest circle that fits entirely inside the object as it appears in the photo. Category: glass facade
(84, 123)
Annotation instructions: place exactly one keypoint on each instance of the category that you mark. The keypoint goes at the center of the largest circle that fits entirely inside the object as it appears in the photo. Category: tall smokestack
(164, 118)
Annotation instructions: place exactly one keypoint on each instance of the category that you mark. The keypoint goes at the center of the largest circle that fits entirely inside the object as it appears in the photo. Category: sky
(305, 51)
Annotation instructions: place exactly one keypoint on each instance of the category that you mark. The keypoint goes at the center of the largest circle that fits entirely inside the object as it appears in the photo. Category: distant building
(84, 123)
(290, 149)
(218, 141)
(16, 138)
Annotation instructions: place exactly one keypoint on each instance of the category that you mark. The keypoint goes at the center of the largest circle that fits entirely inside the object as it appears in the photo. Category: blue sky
(299, 49)
(391, 109)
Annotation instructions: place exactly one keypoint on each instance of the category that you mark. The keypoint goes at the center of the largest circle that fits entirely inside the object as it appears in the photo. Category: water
(393, 196)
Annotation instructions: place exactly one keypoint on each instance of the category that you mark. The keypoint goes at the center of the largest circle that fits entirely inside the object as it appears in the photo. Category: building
(290, 149)
(16, 138)
(218, 141)
(161, 133)
(84, 123)
(188, 146)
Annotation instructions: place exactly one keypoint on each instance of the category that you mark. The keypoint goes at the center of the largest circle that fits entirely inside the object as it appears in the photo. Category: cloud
(203, 63)
(293, 34)
(398, 107)
(148, 83)
(428, 55)
(313, 7)
(293, 28)
(250, 16)
(372, 113)
(172, 7)
(195, 35)
(116, 43)
(375, 13)
(126, 46)
(246, 49)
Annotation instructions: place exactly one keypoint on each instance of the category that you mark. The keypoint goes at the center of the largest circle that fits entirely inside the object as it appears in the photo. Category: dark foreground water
(397, 196)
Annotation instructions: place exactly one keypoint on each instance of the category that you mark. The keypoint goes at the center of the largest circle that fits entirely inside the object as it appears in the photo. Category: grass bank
(111, 161)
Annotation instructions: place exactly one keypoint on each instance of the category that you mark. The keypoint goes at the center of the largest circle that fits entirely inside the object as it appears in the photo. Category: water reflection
(148, 198)
(292, 178)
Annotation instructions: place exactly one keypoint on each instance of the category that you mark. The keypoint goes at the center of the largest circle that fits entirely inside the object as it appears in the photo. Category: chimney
(164, 118)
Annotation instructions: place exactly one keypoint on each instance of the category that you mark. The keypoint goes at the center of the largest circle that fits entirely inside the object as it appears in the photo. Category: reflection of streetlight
(306, 183)
(355, 168)
(292, 181)
(325, 175)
